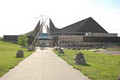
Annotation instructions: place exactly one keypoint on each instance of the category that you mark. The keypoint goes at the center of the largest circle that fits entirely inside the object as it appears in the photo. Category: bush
(23, 40)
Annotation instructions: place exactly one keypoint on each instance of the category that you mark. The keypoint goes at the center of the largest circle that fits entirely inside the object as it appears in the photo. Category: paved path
(43, 65)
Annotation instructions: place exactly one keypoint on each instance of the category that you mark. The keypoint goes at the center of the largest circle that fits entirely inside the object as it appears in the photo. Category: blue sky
(19, 16)
(112, 4)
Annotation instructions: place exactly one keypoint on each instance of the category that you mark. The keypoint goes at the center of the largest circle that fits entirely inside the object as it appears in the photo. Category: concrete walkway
(43, 65)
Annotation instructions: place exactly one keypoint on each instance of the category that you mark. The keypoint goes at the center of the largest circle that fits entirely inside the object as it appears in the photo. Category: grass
(98, 66)
(1, 38)
(8, 52)
(114, 49)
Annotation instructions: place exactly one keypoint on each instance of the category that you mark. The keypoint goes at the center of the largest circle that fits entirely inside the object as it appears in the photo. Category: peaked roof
(83, 26)
(91, 26)
(37, 28)
(86, 25)
(52, 27)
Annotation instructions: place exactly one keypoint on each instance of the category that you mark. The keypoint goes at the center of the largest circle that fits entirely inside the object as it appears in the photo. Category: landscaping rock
(80, 59)
(33, 48)
(74, 48)
(78, 48)
(30, 49)
(20, 54)
(61, 51)
(56, 49)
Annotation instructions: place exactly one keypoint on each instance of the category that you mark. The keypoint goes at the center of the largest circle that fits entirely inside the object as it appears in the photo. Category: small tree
(23, 40)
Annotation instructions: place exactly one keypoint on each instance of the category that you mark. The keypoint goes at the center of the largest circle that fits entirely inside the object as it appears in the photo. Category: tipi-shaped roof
(86, 25)
(52, 27)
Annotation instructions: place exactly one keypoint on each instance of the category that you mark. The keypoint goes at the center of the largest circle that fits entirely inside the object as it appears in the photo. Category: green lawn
(114, 49)
(99, 66)
(7, 56)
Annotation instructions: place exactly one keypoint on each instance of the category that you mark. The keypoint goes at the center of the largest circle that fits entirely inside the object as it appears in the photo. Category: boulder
(33, 48)
(74, 48)
(79, 59)
(56, 49)
(30, 49)
(78, 48)
(61, 51)
(20, 54)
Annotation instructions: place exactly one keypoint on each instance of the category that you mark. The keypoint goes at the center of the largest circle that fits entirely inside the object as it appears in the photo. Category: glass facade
(43, 40)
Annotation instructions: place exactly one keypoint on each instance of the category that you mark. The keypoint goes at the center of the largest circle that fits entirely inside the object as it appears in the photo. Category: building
(82, 33)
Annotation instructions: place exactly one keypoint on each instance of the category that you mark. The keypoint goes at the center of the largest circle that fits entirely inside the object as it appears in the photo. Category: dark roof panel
(37, 28)
(52, 27)
(91, 26)
(86, 25)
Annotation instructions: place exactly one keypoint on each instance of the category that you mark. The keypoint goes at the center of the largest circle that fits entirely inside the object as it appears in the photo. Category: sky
(19, 16)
